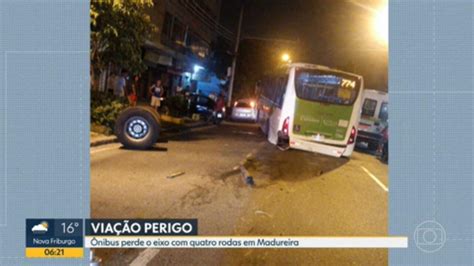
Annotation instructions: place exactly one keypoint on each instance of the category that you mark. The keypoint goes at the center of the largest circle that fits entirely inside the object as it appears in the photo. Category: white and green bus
(311, 107)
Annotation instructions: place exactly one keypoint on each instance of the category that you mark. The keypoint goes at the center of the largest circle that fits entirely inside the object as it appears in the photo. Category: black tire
(137, 128)
(283, 145)
(385, 153)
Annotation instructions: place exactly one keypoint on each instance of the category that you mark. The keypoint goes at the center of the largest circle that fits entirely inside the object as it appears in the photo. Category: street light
(285, 57)
(381, 24)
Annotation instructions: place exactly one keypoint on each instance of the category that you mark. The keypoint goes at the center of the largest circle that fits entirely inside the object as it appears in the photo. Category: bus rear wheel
(283, 142)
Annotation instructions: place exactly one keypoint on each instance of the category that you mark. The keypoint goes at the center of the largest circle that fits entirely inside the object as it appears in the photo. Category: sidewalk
(97, 139)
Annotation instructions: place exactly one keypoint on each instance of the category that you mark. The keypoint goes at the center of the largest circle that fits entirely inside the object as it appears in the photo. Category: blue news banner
(64, 238)
(67, 238)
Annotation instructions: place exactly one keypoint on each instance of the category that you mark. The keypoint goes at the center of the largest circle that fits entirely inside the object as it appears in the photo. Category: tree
(119, 29)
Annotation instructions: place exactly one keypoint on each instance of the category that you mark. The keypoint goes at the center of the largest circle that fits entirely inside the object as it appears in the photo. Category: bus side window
(269, 89)
(273, 88)
(281, 89)
(266, 89)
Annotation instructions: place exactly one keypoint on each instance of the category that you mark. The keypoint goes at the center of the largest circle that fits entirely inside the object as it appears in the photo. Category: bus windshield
(326, 86)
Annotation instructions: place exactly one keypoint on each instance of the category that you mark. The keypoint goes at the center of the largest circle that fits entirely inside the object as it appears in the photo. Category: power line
(178, 9)
(198, 8)
(211, 23)
(203, 20)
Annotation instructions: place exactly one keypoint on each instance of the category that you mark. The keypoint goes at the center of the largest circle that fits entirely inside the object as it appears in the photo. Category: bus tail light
(352, 137)
(286, 125)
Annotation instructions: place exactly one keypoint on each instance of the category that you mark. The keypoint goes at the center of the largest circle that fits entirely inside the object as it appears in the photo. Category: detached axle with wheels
(138, 127)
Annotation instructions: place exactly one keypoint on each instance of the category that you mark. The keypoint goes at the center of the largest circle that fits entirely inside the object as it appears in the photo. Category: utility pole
(234, 60)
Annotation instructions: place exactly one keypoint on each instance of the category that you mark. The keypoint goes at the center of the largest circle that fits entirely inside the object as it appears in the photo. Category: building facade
(181, 45)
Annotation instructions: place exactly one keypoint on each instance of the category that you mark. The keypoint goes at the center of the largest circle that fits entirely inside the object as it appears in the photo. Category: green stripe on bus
(312, 118)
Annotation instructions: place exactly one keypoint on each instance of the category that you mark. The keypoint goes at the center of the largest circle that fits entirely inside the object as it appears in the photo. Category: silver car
(245, 109)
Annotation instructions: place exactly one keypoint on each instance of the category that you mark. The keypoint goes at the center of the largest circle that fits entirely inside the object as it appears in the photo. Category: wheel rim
(137, 128)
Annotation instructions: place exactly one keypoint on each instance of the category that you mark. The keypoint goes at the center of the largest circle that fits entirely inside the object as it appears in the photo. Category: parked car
(202, 105)
(373, 120)
(244, 109)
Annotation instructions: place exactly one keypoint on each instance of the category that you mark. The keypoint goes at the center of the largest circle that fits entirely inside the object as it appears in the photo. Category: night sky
(336, 33)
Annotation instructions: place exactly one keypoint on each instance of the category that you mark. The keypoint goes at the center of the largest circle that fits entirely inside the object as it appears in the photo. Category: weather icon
(40, 228)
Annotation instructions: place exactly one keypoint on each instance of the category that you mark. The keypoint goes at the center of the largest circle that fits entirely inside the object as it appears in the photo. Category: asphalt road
(296, 193)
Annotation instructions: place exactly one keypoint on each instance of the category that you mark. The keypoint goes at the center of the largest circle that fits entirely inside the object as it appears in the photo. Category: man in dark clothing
(220, 103)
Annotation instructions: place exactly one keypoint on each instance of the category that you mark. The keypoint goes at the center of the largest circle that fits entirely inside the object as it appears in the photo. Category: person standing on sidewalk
(156, 94)
(111, 82)
(121, 84)
(132, 91)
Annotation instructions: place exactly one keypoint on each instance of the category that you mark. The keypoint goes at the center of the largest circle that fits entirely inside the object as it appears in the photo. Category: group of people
(121, 87)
